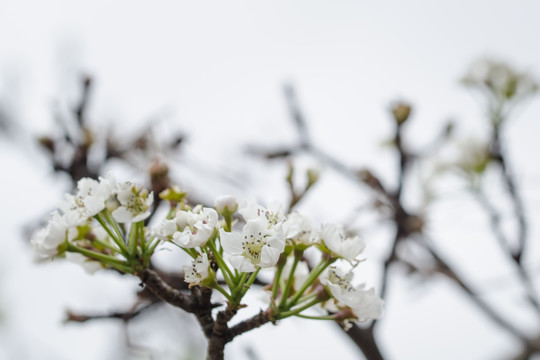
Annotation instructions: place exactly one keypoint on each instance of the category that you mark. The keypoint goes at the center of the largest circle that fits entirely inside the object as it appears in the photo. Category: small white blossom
(94, 194)
(273, 214)
(198, 271)
(339, 243)
(196, 226)
(226, 202)
(257, 246)
(365, 304)
(297, 227)
(75, 208)
(59, 229)
(165, 230)
(90, 198)
(134, 203)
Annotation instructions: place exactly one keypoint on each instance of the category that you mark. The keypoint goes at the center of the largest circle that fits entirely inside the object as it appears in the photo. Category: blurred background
(210, 90)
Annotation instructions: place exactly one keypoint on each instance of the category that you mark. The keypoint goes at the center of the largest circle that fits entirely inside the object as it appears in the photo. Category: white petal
(231, 241)
(183, 238)
(141, 217)
(269, 256)
(369, 306)
(122, 215)
(241, 263)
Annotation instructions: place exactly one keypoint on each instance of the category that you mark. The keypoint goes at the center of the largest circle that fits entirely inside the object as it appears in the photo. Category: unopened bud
(225, 203)
(47, 143)
(173, 194)
(313, 174)
(401, 112)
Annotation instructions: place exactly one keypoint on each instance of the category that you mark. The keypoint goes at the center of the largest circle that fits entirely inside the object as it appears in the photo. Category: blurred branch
(124, 316)
(407, 223)
(445, 268)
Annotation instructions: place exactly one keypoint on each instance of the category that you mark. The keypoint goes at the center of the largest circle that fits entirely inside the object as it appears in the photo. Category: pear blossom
(94, 194)
(258, 245)
(335, 239)
(196, 226)
(134, 203)
(297, 227)
(165, 229)
(273, 214)
(59, 229)
(90, 198)
(198, 271)
(365, 304)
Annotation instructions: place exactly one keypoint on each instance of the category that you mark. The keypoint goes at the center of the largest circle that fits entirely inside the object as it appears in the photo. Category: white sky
(215, 69)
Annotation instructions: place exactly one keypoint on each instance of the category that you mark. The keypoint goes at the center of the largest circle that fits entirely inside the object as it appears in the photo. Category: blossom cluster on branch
(102, 226)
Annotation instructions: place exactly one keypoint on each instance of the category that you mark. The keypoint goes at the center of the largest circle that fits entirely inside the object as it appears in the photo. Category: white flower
(196, 226)
(59, 229)
(89, 265)
(90, 198)
(297, 228)
(364, 303)
(226, 202)
(134, 203)
(75, 208)
(257, 246)
(273, 214)
(368, 306)
(165, 230)
(93, 194)
(198, 271)
(336, 241)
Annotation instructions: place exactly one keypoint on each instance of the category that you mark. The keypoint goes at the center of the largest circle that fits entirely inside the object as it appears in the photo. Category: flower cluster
(91, 226)
(242, 241)
(102, 226)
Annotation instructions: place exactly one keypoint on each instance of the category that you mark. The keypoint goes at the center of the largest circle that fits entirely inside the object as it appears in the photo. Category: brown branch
(80, 109)
(254, 322)
(365, 340)
(124, 316)
(297, 116)
(165, 292)
(498, 155)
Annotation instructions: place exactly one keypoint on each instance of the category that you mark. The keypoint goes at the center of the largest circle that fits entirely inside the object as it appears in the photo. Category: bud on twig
(401, 112)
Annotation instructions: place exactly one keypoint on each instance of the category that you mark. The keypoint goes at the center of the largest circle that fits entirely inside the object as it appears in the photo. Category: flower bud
(401, 112)
(225, 203)
(173, 194)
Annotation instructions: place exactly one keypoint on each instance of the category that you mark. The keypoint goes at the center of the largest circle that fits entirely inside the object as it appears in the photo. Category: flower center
(252, 246)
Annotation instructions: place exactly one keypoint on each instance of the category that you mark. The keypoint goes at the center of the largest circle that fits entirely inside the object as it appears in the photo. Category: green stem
(290, 281)
(114, 224)
(298, 310)
(132, 241)
(118, 240)
(224, 292)
(306, 298)
(248, 283)
(313, 275)
(107, 259)
(275, 285)
(327, 317)
(152, 247)
(105, 245)
(236, 290)
(227, 275)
